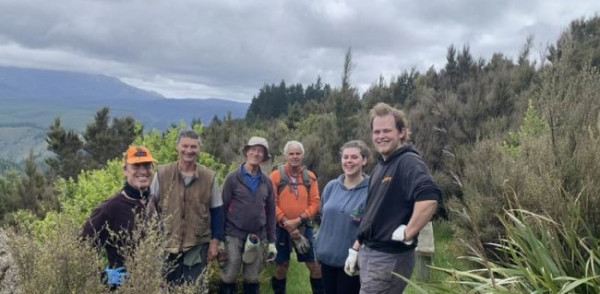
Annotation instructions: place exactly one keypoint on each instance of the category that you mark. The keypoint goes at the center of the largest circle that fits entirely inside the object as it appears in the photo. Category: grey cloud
(234, 47)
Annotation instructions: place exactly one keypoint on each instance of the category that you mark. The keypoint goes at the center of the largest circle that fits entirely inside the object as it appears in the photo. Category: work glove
(302, 244)
(351, 266)
(399, 235)
(114, 276)
(251, 247)
(222, 255)
(271, 252)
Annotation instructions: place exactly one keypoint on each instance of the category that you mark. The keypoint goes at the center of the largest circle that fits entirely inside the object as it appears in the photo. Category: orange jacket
(287, 203)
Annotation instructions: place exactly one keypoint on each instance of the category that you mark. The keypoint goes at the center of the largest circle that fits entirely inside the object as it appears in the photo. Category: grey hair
(188, 134)
(293, 144)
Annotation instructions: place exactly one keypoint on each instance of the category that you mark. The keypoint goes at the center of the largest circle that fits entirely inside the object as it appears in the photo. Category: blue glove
(114, 277)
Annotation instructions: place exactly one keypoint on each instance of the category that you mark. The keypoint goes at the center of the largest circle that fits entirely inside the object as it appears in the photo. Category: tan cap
(258, 141)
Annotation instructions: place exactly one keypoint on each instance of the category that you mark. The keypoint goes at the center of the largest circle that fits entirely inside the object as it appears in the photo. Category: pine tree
(68, 160)
(103, 141)
(33, 190)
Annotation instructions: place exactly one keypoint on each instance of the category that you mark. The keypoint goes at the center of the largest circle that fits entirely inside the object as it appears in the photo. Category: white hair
(293, 144)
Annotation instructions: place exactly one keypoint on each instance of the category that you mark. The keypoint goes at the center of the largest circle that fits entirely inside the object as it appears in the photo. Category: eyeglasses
(145, 165)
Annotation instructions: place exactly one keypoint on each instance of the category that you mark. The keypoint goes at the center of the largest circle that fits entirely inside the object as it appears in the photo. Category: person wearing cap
(249, 219)
(118, 213)
(191, 209)
(297, 201)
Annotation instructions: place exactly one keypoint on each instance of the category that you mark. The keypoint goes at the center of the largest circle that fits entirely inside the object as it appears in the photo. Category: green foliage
(6, 165)
(8, 189)
(551, 159)
(225, 138)
(67, 162)
(104, 141)
(273, 100)
(58, 261)
(533, 126)
(346, 106)
(29, 191)
(68, 267)
(495, 133)
(78, 198)
(100, 142)
(162, 147)
(540, 255)
(583, 39)
(399, 92)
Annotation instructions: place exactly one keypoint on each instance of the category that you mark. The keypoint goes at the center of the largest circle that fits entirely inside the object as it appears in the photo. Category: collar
(246, 173)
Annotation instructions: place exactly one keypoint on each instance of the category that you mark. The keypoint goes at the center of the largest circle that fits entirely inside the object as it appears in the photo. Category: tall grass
(538, 255)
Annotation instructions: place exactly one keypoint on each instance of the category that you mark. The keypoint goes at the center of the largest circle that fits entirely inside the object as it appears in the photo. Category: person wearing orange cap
(118, 213)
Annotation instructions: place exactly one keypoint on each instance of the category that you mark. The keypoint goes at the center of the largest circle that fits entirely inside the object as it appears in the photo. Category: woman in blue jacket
(342, 203)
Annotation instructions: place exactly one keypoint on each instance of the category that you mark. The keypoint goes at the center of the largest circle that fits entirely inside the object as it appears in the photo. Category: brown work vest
(185, 209)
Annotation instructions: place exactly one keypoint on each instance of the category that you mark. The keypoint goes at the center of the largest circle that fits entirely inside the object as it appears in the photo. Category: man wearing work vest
(190, 202)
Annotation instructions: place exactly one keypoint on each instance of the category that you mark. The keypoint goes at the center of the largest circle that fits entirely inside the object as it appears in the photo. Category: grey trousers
(235, 249)
(376, 269)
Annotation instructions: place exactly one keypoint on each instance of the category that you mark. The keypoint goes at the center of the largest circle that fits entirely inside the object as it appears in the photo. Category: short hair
(365, 152)
(188, 134)
(383, 109)
(293, 144)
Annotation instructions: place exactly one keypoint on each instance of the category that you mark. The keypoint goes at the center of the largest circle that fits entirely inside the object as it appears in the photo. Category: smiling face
(138, 174)
(188, 149)
(352, 161)
(255, 155)
(386, 137)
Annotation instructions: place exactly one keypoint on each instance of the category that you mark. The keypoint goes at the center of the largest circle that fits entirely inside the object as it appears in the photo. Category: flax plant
(539, 254)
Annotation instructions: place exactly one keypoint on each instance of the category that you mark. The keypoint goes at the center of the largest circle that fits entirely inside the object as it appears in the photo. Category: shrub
(540, 255)
(58, 261)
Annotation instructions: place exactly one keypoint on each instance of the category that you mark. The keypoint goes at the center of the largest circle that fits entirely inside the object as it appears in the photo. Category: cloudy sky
(230, 49)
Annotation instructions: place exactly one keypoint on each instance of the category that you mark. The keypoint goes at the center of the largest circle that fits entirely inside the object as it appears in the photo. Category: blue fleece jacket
(341, 210)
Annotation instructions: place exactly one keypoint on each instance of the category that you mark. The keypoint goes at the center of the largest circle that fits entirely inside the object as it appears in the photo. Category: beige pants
(235, 249)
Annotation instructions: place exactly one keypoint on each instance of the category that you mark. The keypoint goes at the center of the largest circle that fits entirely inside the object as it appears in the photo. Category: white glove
(271, 252)
(399, 235)
(351, 267)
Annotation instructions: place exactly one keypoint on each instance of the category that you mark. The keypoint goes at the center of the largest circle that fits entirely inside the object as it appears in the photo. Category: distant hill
(31, 99)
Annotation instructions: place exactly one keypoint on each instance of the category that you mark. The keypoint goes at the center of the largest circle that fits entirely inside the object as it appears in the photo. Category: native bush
(552, 158)
(80, 266)
(539, 255)
(58, 261)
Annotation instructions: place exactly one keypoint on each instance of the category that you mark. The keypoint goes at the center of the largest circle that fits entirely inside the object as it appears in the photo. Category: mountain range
(32, 98)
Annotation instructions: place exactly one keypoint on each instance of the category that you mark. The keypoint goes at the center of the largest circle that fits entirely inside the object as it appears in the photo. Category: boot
(226, 288)
(278, 286)
(250, 288)
(317, 286)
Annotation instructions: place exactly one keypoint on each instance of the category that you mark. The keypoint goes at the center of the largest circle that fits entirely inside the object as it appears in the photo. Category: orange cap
(137, 154)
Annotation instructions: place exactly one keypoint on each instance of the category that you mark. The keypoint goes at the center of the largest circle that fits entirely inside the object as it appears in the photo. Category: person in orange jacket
(297, 201)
